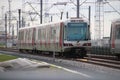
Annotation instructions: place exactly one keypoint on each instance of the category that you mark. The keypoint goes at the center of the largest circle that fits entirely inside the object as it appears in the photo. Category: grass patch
(4, 57)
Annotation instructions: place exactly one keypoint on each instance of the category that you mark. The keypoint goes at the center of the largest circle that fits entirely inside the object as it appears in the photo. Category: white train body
(63, 36)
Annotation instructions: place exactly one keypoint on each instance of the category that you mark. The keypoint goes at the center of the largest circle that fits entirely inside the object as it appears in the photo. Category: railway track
(102, 61)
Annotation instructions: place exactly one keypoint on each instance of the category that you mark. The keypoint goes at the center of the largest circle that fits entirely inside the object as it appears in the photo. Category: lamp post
(9, 1)
(6, 30)
(77, 8)
(41, 10)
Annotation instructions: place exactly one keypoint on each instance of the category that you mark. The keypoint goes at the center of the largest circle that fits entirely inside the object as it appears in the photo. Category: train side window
(43, 34)
(53, 32)
(29, 34)
(19, 37)
(48, 33)
(26, 38)
(33, 34)
(31, 31)
(39, 34)
(22, 35)
(26, 35)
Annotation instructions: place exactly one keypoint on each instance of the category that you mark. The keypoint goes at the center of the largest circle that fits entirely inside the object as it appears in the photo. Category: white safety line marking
(72, 71)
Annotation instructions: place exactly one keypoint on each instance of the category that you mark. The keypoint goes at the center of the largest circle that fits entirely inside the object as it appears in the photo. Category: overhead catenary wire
(114, 8)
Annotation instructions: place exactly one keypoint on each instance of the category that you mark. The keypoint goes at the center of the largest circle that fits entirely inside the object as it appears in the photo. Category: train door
(117, 38)
(112, 38)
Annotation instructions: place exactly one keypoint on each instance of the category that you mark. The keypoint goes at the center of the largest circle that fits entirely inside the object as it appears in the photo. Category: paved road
(59, 71)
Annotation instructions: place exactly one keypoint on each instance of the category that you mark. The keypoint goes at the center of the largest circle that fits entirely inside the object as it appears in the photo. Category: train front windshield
(75, 31)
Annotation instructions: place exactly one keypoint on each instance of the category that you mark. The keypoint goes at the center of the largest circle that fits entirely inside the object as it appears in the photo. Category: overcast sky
(108, 17)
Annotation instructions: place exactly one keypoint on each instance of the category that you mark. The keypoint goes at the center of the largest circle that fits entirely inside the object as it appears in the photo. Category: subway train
(111, 46)
(70, 37)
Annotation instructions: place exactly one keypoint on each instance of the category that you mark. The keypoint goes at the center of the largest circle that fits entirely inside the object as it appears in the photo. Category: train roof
(68, 20)
(33, 26)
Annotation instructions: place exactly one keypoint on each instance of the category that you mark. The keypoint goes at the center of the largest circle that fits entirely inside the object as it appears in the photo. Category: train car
(65, 37)
(115, 38)
(109, 46)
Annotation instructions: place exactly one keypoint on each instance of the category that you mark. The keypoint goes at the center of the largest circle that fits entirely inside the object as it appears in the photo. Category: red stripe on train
(61, 28)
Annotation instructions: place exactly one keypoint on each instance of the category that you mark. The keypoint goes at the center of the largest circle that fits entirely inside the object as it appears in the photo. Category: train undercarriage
(74, 52)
